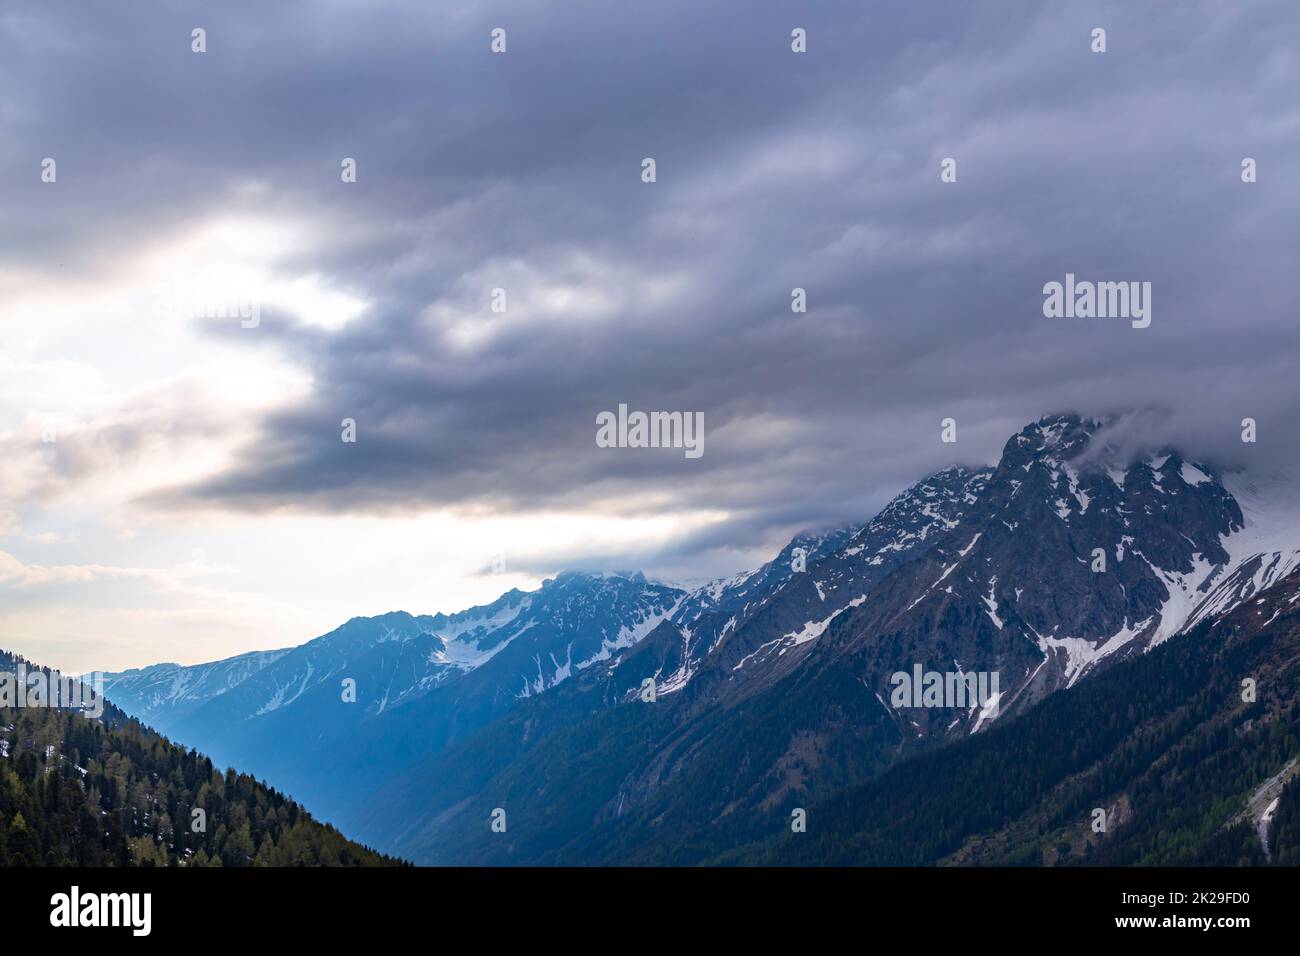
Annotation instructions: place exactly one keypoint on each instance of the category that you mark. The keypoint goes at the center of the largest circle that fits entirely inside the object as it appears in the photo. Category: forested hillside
(111, 792)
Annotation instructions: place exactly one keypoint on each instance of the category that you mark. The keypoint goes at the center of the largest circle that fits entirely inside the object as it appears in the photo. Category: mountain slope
(1010, 586)
(110, 792)
(768, 638)
(1165, 745)
(380, 692)
(582, 721)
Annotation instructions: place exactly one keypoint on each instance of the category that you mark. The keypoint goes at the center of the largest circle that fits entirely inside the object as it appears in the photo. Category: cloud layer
(521, 172)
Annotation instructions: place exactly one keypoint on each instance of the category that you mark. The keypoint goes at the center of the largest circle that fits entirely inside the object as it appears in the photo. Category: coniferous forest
(110, 792)
(1164, 744)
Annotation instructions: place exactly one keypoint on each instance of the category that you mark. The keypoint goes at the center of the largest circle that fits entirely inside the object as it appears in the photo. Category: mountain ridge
(992, 569)
(827, 733)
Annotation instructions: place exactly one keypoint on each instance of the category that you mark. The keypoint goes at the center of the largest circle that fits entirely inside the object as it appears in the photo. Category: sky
(173, 480)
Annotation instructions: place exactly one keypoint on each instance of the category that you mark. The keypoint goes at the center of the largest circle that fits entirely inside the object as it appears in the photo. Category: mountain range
(614, 719)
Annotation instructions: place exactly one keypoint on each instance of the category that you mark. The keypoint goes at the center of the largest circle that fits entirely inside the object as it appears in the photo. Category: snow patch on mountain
(467, 655)
(992, 602)
(1082, 654)
(278, 699)
(629, 634)
(810, 631)
(1264, 550)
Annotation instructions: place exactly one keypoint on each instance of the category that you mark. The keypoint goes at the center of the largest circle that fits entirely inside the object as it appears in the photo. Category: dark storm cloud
(775, 170)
